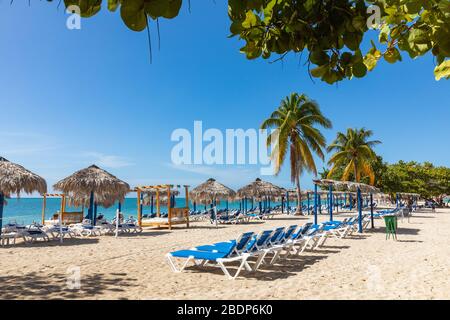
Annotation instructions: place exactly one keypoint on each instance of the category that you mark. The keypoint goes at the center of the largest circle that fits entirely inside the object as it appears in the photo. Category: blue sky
(70, 98)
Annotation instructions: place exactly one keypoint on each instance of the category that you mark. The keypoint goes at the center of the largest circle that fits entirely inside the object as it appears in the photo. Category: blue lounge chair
(296, 239)
(220, 258)
(310, 237)
(276, 244)
(202, 258)
(240, 244)
(263, 249)
(328, 228)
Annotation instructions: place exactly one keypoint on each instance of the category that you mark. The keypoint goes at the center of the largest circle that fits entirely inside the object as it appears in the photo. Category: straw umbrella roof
(106, 187)
(15, 179)
(347, 185)
(78, 200)
(292, 193)
(259, 189)
(211, 190)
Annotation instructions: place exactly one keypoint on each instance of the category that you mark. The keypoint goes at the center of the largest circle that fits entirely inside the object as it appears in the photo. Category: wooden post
(63, 207)
(139, 207)
(44, 204)
(187, 196)
(169, 209)
(158, 212)
(63, 197)
(186, 188)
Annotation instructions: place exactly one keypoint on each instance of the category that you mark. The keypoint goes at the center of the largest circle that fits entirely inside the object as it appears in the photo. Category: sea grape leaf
(442, 70)
(88, 8)
(359, 70)
(133, 14)
(112, 5)
(392, 55)
(163, 8)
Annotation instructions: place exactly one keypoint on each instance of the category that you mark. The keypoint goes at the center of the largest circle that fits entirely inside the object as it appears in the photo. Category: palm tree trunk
(299, 196)
(355, 173)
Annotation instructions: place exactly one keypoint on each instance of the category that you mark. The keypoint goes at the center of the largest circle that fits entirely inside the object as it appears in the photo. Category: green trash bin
(391, 226)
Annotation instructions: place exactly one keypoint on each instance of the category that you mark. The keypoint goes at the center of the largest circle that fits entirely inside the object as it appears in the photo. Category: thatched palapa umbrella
(261, 190)
(211, 191)
(95, 184)
(16, 179)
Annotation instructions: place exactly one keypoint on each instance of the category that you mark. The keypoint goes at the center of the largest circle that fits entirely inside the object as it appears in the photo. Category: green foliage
(330, 31)
(413, 177)
(88, 8)
(442, 70)
(133, 12)
(425, 179)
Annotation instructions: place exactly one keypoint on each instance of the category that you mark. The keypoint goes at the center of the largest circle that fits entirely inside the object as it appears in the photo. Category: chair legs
(219, 262)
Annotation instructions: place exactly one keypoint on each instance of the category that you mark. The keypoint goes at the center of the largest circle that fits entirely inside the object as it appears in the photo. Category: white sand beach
(363, 266)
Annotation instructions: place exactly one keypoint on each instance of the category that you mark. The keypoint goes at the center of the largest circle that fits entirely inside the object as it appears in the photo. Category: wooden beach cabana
(67, 217)
(162, 194)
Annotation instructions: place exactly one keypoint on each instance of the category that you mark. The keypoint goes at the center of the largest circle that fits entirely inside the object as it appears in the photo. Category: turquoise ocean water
(27, 210)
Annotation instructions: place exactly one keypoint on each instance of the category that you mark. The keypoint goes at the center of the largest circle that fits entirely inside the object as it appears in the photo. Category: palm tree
(354, 153)
(295, 123)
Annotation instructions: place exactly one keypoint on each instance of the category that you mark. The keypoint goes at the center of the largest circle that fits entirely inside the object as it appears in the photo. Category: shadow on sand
(145, 233)
(68, 242)
(294, 218)
(283, 269)
(36, 286)
(400, 230)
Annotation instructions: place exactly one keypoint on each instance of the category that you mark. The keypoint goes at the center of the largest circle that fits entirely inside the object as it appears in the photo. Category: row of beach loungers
(233, 216)
(238, 216)
(37, 232)
(251, 250)
(320, 209)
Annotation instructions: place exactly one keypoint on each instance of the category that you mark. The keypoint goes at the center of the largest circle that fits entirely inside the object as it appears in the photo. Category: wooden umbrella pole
(44, 204)
(158, 212)
(169, 209)
(187, 196)
(186, 188)
(139, 207)
(62, 203)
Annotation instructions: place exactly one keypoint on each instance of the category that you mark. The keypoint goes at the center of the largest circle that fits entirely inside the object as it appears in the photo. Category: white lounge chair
(85, 229)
